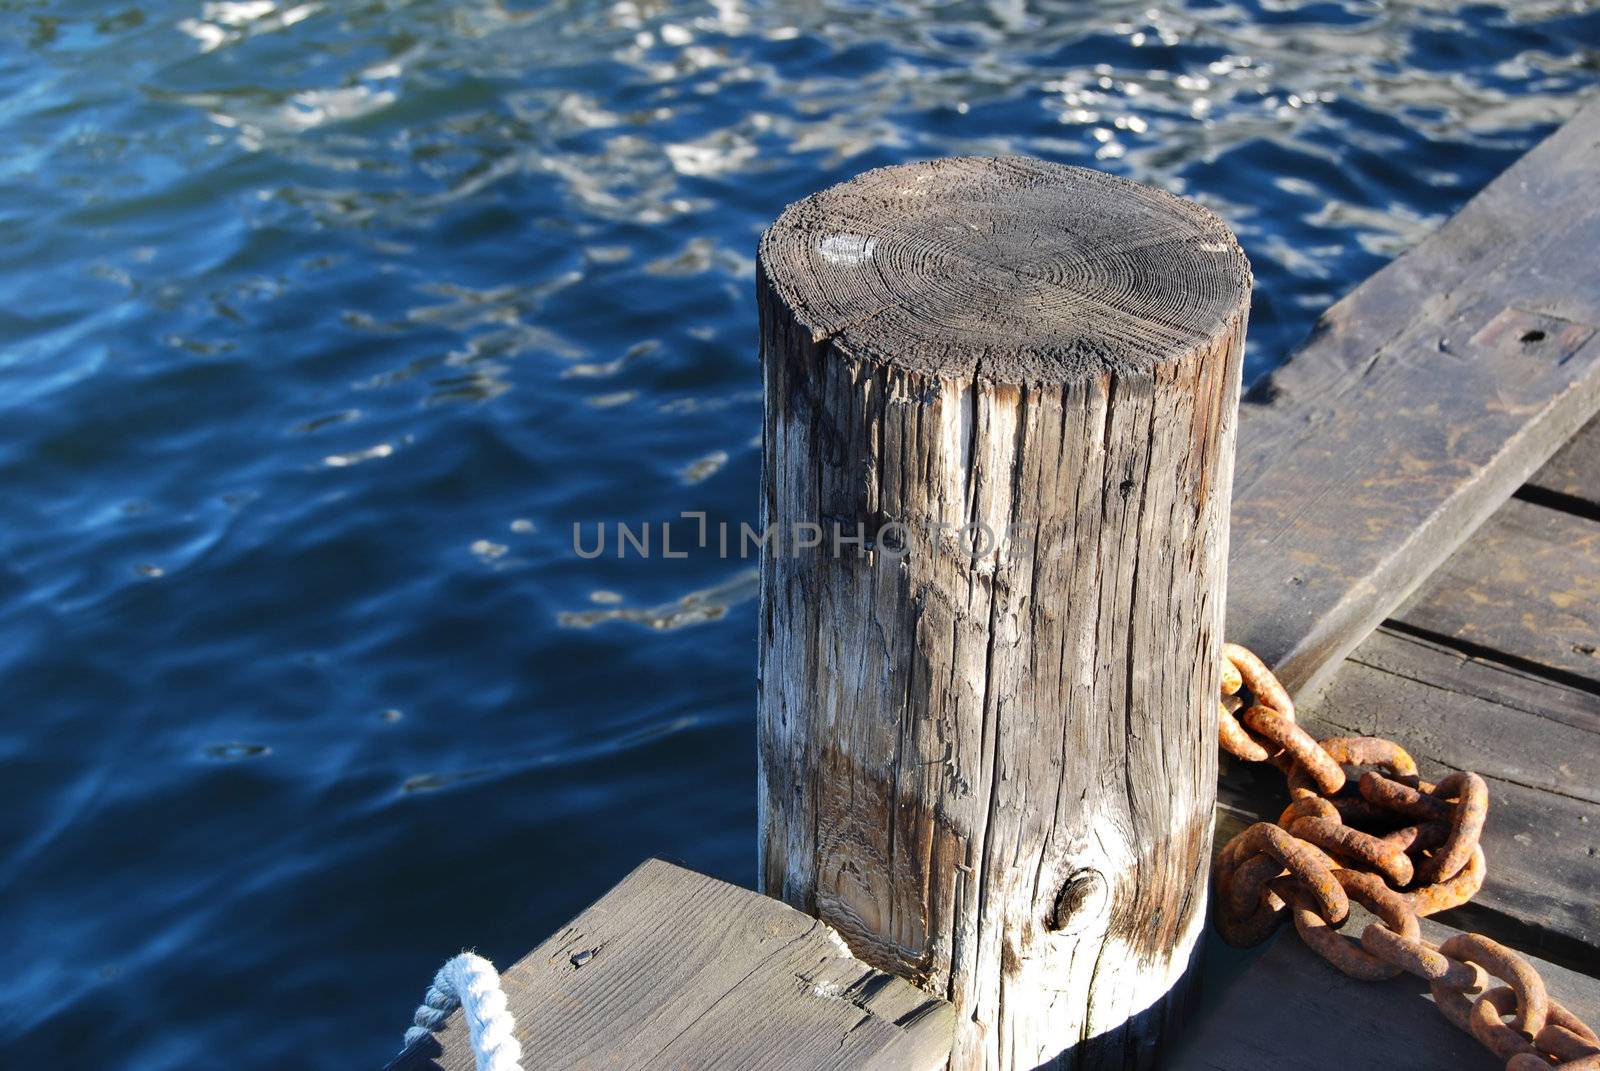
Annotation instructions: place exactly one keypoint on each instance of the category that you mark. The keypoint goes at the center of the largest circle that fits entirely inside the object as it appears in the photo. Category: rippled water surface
(324, 322)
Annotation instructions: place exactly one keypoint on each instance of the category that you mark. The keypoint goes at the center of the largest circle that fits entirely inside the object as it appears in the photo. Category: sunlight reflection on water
(326, 322)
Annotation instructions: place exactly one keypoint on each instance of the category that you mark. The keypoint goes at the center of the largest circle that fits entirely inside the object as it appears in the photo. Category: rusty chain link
(1397, 845)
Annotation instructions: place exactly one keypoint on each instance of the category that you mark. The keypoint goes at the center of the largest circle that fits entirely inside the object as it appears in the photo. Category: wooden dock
(1412, 558)
(1490, 666)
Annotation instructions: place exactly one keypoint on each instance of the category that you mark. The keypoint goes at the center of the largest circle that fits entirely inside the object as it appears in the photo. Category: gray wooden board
(1288, 1009)
(1527, 584)
(1536, 742)
(672, 969)
(1423, 400)
(1575, 470)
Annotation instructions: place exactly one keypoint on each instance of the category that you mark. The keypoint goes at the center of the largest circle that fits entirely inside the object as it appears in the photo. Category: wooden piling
(999, 439)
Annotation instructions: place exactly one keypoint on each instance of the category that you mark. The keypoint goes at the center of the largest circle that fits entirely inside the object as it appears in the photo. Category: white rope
(471, 983)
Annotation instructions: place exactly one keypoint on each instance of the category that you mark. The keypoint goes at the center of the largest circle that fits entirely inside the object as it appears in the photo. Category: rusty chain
(1395, 844)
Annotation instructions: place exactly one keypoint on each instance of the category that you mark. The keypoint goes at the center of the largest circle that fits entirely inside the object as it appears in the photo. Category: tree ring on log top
(1015, 269)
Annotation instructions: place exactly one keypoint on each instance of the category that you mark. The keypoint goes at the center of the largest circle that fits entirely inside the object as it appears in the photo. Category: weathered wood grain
(1289, 1009)
(1574, 472)
(986, 755)
(1423, 400)
(1527, 584)
(675, 970)
(1535, 741)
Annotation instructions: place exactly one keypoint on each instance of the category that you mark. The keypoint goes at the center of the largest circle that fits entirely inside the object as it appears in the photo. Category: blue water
(323, 324)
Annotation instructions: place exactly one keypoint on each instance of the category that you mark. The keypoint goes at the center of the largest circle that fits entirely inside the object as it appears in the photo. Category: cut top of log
(1009, 268)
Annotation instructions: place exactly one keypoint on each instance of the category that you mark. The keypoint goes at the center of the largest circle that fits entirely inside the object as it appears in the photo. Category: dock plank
(1527, 583)
(1536, 741)
(1289, 1009)
(1574, 472)
(1422, 401)
(672, 969)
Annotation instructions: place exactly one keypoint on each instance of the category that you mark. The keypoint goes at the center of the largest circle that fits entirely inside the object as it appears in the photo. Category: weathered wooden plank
(1574, 472)
(672, 969)
(1527, 584)
(1536, 742)
(1289, 1009)
(1423, 400)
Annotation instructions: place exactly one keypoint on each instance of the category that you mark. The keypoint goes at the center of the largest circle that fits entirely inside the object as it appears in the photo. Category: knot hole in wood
(1080, 903)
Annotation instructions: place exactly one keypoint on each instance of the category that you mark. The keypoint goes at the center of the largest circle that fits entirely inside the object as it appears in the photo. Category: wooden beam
(1288, 1009)
(1574, 472)
(1526, 585)
(1421, 402)
(672, 969)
